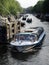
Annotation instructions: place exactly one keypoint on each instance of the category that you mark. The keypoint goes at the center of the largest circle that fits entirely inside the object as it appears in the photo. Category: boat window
(39, 32)
(25, 37)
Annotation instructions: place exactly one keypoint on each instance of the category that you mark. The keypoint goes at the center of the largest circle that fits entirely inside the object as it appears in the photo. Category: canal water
(39, 56)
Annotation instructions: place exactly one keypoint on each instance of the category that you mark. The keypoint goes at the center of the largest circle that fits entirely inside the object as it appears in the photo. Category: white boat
(25, 41)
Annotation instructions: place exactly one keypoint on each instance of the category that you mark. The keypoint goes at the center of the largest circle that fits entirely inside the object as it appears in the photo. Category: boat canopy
(25, 36)
(38, 31)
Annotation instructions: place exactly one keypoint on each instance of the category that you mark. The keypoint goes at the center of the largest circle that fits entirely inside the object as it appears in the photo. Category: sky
(27, 3)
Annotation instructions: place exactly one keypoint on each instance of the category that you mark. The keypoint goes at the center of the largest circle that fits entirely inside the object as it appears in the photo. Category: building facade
(12, 27)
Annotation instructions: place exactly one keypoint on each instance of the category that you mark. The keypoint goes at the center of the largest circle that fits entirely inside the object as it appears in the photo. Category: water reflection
(25, 56)
(3, 49)
(3, 55)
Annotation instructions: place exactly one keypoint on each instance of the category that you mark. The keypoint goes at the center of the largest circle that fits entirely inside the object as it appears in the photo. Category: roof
(29, 30)
(25, 33)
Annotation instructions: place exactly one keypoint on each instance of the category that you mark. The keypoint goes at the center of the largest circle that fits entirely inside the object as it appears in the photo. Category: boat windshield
(27, 37)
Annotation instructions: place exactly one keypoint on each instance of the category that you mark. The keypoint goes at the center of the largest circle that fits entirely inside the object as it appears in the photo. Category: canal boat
(26, 41)
(29, 20)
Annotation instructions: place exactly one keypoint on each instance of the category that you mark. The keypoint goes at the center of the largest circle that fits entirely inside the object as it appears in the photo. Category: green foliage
(38, 7)
(9, 7)
(46, 6)
(42, 6)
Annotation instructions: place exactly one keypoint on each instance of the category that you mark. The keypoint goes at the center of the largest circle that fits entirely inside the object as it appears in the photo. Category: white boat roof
(25, 33)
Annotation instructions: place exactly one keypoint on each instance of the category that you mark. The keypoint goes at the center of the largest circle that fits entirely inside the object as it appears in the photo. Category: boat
(29, 20)
(26, 41)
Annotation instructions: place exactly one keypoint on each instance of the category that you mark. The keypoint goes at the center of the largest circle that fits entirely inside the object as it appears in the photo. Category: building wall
(12, 27)
(3, 36)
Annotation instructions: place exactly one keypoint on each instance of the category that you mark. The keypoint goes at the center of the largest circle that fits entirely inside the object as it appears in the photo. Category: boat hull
(22, 49)
(28, 48)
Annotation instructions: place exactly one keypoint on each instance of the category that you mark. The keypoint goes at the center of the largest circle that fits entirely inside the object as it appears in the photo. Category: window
(13, 30)
(19, 27)
(12, 25)
(13, 36)
(18, 23)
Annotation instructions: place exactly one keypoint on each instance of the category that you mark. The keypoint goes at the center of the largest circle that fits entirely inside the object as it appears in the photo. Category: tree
(38, 7)
(9, 7)
(46, 6)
